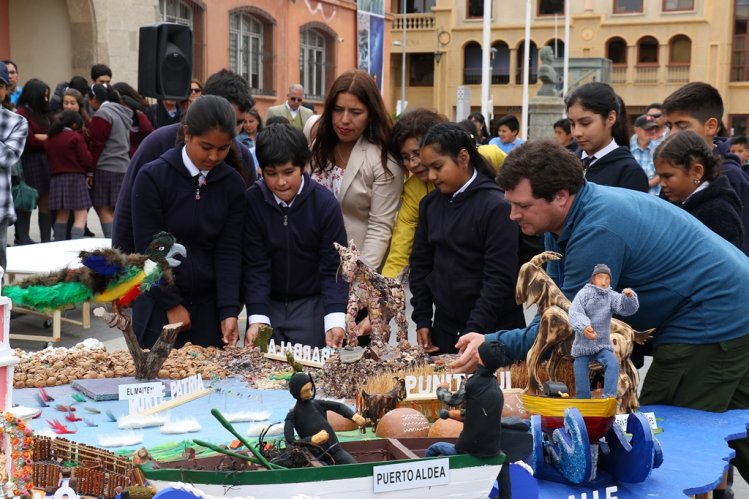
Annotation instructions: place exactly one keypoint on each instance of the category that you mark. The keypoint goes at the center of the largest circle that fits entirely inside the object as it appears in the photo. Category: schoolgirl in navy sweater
(598, 118)
(190, 192)
(70, 162)
(464, 262)
(290, 265)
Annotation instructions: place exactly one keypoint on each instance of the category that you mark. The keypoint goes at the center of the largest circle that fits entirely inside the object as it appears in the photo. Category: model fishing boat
(387, 467)
(598, 414)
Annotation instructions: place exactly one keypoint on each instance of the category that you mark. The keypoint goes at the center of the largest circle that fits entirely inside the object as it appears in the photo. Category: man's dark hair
(277, 120)
(655, 105)
(740, 139)
(548, 166)
(564, 124)
(510, 121)
(280, 143)
(698, 100)
(98, 70)
(232, 87)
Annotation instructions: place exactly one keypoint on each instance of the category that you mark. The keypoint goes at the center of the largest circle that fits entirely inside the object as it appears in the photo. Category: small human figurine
(482, 432)
(309, 418)
(590, 317)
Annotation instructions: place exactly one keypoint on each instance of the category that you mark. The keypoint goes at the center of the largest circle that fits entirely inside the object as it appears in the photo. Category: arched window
(246, 48)
(500, 63)
(533, 70)
(472, 64)
(647, 50)
(680, 50)
(315, 59)
(616, 51)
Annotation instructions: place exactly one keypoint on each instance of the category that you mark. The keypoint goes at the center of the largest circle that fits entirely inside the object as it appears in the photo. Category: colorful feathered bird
(106, 275)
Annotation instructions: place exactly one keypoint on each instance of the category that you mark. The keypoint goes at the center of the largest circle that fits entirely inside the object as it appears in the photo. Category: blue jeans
(610, 373)
(440, 449)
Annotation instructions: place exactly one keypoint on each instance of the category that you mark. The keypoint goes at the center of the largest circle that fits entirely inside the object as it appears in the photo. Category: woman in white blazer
(349, 157)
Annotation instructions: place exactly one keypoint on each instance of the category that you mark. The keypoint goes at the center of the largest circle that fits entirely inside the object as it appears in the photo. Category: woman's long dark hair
(363, 86)
(600, 98)
(35, 98)
(69, 119)
(449, 138)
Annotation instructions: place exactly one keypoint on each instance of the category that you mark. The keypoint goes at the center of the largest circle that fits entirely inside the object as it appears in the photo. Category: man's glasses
(655, 115)
(296, 99)
(195, 90)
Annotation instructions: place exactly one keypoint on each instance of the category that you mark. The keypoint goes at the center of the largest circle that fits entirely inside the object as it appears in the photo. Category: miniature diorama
(382, 297)
(567, 429)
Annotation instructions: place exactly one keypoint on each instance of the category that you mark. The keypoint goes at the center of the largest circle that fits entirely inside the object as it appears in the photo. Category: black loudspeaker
(165, 61)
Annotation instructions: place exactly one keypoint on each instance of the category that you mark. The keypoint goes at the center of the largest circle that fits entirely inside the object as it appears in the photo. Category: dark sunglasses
(195, 90)
(296, 99)
(656, 115)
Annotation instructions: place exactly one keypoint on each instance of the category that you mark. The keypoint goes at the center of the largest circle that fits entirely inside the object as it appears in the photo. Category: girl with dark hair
(110, 147)
(72, 100)
(690, 176)
(598, 118)
(70, 161)
(251, 125)
(141, 126)
(33, 104)
(464, 262)
(192, 193)
(479, 123)
(350, 158)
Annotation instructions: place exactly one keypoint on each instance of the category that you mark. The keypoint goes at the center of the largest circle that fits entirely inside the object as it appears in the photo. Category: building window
(472, 64)
(673, 5)
(421, 70)
(627, 6)
(313, 63)
(246, 48)
(680, 50)
(533, 69)
(415, 6)
(737, 124)
(500, 63)
(616, 51)
(647, 51)
(176, 11)
(740, 49)
(475, 8)
(550, 7)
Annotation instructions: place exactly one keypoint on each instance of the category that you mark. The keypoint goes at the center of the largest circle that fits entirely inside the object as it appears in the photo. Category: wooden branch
(147, 363)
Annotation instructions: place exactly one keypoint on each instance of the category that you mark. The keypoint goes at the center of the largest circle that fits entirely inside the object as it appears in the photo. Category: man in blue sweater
(691, 282)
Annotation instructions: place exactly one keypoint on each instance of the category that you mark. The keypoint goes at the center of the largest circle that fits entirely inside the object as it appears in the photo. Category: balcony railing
(646, 74)
(619, 74)
(678, 74)
(414, 22)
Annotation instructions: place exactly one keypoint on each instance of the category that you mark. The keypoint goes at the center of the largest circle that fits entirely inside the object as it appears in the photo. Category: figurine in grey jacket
(590, 317)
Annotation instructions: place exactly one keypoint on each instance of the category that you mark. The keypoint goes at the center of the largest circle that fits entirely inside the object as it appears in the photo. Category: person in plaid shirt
(13, 132)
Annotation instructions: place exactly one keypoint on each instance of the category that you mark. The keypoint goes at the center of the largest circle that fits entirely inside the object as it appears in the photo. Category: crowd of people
(259, 201)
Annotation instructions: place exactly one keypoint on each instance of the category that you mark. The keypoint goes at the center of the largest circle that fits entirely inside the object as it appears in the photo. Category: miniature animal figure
(534, 286)
(377, 405)
(383, 297)
(106, 276)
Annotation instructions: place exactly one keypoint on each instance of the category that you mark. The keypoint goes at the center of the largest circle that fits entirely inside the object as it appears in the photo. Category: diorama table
(695, 443)
(44, 258)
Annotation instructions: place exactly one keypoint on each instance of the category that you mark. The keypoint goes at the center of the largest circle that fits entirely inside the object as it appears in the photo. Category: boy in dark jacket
(698, 107)
(290, 263)
(482, 431)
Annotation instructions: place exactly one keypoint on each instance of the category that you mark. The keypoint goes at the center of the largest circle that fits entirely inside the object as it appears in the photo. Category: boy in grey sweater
(590, 317)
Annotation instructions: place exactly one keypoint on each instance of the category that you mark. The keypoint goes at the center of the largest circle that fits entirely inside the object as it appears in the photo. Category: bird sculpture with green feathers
(106, 275)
